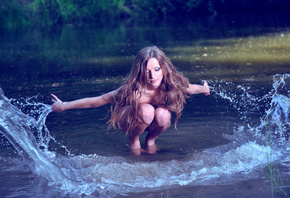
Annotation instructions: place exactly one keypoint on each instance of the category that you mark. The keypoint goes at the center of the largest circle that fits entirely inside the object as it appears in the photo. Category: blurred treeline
(22, 13)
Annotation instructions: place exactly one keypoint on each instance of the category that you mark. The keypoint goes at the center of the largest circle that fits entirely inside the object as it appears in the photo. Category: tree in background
(20, 13)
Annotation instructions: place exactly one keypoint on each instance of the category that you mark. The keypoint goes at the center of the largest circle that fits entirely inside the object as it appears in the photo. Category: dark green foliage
(12, 15)
(20, 13)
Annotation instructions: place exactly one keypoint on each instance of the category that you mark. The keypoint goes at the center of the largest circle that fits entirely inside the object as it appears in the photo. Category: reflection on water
(205, 49)
(221, 138)
(238, 57)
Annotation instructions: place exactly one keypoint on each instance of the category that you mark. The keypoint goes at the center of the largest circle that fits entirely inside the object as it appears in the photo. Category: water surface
(223, 144)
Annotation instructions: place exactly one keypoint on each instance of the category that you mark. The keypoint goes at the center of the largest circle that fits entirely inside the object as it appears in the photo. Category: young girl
(145, 101)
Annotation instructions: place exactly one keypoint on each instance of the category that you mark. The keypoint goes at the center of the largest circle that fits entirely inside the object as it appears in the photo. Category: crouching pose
(146, 99)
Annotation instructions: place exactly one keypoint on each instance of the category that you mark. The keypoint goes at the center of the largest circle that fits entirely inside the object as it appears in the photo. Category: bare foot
(136, 148)
(137, 151)
(151, 146)
(152, 149)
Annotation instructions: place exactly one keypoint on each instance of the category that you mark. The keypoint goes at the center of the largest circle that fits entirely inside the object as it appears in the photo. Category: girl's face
(154, 74)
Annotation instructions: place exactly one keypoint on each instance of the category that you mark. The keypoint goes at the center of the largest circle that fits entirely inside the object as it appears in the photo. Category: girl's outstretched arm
(197, 89)
(84, 103)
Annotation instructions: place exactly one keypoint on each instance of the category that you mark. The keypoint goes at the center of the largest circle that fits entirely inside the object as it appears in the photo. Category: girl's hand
(206, 87)
(57, 105)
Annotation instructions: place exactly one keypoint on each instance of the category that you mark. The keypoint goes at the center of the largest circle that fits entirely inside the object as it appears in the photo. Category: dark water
(226, 143)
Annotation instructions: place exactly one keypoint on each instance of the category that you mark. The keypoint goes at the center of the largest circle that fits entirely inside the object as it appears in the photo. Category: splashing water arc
(109, 176)
(17, 128)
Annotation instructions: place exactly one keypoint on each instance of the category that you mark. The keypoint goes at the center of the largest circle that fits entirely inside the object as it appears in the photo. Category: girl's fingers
(55, 98)
(206, 85)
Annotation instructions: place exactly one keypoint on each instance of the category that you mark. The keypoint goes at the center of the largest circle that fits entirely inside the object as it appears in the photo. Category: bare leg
(145, 117)
(159, 125)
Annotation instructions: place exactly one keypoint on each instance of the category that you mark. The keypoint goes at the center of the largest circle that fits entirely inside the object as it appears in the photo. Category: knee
(163, 117)
(146, 113)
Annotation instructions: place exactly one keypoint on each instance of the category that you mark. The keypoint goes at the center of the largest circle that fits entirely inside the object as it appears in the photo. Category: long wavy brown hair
(172, 91)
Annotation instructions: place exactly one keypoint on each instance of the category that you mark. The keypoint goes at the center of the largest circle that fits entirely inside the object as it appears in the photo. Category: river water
(231, 143)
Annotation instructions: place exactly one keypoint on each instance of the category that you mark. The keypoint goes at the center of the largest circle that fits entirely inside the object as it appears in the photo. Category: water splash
(275, 119)
(239, 97)
(17, 128)
(275, 125)
(104, 176)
